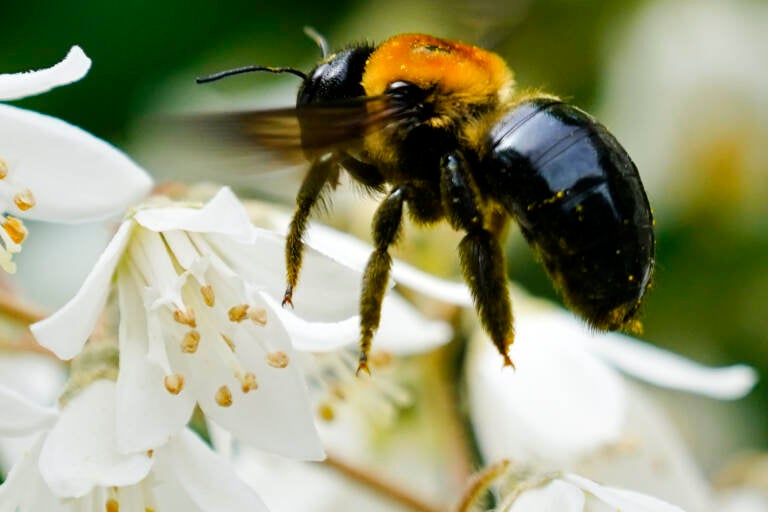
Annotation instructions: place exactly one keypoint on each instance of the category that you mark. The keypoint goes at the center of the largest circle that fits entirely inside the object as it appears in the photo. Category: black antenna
(318, 39)
(249, 69)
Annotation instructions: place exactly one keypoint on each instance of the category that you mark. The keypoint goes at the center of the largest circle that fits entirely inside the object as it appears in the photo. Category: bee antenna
(249, 69)
(318, 39)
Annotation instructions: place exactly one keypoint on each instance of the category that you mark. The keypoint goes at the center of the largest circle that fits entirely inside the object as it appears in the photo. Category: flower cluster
(187, 378)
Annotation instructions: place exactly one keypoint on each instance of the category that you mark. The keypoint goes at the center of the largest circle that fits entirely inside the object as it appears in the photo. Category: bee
(439, 129)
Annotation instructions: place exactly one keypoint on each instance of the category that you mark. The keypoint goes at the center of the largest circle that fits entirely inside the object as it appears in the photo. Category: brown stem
(378, 485)
(479, 484)
(10, 306)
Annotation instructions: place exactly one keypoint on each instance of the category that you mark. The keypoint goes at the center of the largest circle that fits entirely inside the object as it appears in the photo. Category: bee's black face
(337, 78)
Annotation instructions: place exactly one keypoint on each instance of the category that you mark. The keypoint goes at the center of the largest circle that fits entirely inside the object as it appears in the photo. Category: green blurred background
(681, 83)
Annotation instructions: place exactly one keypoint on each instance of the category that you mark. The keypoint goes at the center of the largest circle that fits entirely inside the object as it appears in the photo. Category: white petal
(24, 489)
(223, 214)
(73, 175)
(665, 369)
(556, 496)
(405, 331)
(209, 480)
(140, 391)
(66, 331)
(521, 414)
(80, 450)
(22, 416)
(626, 501)
(328, 291)
(19, 85)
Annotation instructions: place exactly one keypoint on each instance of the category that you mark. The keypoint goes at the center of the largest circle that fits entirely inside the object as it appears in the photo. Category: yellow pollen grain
(258, 316)
(339, 393)
(149, 509)
(223, 396)
(15, 229)
(277, 359)
(24, 200)
(248, 382)
(208, 296)
(150, 453)
(112, 505)
(3, 169)
(326, 412)
(185, 317)
(238, 313)
(630, 277)
(228, 341)
(174, 383)
(190, 342)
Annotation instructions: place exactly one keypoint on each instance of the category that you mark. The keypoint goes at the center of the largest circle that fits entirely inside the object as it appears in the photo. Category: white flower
(568, 492)
(566, 408)
(51, 170)
(74, 465)
(200, 323)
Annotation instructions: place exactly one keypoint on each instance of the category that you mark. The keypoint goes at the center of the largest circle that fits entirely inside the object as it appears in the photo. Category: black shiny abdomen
(579, 201)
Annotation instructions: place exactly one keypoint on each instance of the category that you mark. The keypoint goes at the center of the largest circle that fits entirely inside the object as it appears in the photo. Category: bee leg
(386, 228)
(322, 171)
(480, 253)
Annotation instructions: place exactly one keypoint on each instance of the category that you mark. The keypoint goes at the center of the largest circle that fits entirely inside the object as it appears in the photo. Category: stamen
(278, 359)
(3, 169)
(112, 505)
(208, 296)
(223, 396)
(258, 315)
(248, 382)
(15, 229)
(185, 317)
(24, 200)
(190, 342)
(174, 383)
(238, 313)
(228, 341)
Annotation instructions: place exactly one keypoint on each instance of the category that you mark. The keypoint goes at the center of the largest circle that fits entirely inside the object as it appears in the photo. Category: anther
(238, 313)
(258, 315)
(185, 317)
(16, 229)
(278, 359)
(326, 412)
(24, 200)
(190, 342)
(223, 396)
(3, 169)
(112, 505)
(248, 382)
(228, 341)
(174, 383)
(208, 296)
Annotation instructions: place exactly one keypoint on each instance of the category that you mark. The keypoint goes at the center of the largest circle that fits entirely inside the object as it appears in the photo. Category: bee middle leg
(386, 229)
(480, 253)
(321, 172)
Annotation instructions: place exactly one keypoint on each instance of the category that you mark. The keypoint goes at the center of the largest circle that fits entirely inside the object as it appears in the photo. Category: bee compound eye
(404, 91)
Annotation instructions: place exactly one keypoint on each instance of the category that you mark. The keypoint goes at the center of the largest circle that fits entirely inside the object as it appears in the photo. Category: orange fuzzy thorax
(427, 61)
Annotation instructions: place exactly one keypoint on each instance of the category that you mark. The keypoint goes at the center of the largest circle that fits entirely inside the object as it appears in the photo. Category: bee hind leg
(386, 229)
(480, 253)
(321, 172)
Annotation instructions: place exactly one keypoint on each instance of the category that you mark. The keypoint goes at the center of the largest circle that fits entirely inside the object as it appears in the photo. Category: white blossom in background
(568, 492)
(565, 407)
(74, 464)
(51, 170)
(200, 323)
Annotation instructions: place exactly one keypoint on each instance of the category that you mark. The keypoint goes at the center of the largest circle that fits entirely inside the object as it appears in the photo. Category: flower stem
(10, 306)
(378, 485)
(479, 484)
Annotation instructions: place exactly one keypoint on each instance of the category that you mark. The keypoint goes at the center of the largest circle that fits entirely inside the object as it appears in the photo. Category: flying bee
(438, 128)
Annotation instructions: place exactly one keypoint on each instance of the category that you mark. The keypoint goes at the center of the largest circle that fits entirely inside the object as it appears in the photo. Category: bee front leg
(386, 229)
(322, 171)
(480, 253)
